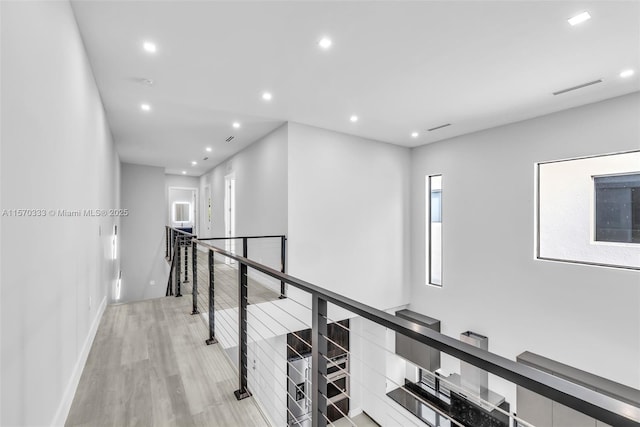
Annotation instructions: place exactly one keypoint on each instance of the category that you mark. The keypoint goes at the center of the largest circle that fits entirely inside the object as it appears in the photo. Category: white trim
(194, 217)
(67, 399)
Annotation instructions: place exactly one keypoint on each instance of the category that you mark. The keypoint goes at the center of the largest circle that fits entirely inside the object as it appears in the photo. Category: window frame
(428, 231)
(594, 211)
(537, 225)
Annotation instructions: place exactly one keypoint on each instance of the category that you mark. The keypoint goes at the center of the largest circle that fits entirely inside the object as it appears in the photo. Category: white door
(229, 213)
(207, 210)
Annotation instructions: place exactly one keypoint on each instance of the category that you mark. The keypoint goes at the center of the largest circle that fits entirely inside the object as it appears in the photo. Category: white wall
(260, 172)
(180, 181)
(375, 371)
(567, 210)
(261, 187)
(143, 236)
(348, 215)
(57, 153)
(585, 316)
(267, 366)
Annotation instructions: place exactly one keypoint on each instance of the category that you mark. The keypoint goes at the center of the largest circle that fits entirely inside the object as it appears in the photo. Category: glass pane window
(434, 229)
(617, 208)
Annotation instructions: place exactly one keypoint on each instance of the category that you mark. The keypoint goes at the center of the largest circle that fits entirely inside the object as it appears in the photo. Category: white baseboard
(67, 399)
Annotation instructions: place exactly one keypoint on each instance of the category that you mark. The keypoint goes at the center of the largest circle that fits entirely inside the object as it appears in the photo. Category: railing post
(243, 392)
(178, 245)
(166, 241)
(283, 258)
(194, 275)
(319, 362)
(186, 245)
(212, 319)
(173, 243)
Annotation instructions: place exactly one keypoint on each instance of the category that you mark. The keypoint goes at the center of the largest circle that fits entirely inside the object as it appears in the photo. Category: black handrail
(283, 252)
(242, 237)
(177, 230)
(589, 402)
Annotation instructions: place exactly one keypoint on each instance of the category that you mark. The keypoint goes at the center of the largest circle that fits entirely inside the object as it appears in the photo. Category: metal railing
(176, 242)
(245, 242)
(591, 403)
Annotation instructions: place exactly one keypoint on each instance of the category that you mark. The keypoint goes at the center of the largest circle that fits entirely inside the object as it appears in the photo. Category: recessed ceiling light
(145, 107)
(627, 73)
(353, 118)
(184, 172)
(267, 96)
(236, 125)
(149, 47)
(414, 134)
(579, 18)
(208, 149)
(193, 163)
(325, 43)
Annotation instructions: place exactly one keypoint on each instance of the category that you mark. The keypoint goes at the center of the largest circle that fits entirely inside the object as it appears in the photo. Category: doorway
(230, 214)
(182, 212)
(207, 212)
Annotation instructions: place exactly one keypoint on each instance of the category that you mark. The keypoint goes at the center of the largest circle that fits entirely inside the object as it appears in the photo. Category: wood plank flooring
(226, 284)
(149, 366)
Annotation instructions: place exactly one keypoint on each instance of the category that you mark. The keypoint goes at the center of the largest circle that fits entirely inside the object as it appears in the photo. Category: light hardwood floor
(226, 284)
(149, 366)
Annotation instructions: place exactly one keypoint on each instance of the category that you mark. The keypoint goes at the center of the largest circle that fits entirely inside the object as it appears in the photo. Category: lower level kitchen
(378, 377)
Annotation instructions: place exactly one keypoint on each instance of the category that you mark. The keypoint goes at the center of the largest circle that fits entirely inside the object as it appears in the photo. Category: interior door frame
(229, 213)
(194, 207)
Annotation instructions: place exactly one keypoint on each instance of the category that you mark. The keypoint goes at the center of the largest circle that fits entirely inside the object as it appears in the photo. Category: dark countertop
(435, 412)
(421, 409)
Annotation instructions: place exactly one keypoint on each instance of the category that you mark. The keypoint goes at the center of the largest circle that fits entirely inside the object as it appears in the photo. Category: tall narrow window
(434, 230)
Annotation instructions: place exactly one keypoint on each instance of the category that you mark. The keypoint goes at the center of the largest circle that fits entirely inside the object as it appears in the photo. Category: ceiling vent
(229, 139)
(438, 127)
(560, 92)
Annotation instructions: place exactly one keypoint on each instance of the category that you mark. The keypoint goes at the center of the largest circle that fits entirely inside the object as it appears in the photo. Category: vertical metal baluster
(212, 321)
(174, 243)
(283, 258)
(243, 392)
(319, 362)
(166, 242)
(178, 245)
(186, 258)
(170, 244)
(194, 275)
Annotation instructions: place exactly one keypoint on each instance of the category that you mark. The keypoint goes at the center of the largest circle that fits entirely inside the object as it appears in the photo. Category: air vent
(229, 139)
(560, 92)
(438, 127)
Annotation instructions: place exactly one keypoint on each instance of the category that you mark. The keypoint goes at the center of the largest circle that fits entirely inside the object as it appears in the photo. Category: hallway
(149, 366)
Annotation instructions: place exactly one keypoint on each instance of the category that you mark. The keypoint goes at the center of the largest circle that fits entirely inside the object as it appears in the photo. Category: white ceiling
(400, 66)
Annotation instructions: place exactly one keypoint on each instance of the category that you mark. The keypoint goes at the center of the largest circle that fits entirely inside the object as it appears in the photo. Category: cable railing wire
(591, 403)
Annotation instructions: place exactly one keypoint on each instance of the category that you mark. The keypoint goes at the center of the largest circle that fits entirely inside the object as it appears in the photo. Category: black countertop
(424, 411)
(436, 412)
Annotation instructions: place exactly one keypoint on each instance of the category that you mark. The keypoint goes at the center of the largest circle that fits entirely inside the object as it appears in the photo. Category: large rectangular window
(589, 210)
(434, 230)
